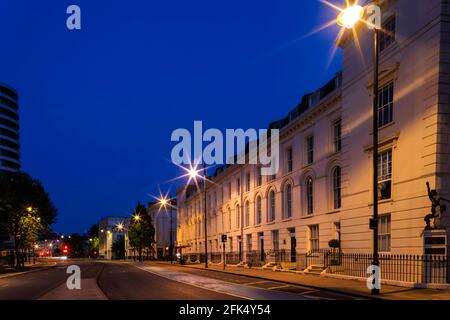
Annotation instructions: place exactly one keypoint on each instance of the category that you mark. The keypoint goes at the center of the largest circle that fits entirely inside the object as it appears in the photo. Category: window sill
(391, 201)
(287, 219)
(386, 201)
(307, 216)
(270, 223)
(334, 211)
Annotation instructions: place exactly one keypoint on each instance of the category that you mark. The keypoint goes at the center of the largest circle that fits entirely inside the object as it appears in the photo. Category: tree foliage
(141, 232)
(25, 208)
(118, 247)
(94, 241)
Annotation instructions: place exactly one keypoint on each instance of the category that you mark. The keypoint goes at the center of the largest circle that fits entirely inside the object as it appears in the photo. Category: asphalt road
(134, 281)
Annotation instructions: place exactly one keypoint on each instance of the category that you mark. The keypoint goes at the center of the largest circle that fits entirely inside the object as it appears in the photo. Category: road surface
(103, 280)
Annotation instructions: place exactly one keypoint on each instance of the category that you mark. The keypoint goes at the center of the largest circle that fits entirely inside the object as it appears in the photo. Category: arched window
(309, 196)
(238, 217)
(229, 219)
(247, 214)
(258, 210)
(288, 201)
(271, 206)
(337, 199)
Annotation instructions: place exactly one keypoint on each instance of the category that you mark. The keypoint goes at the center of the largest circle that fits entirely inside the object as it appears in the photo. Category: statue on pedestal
(437, 209)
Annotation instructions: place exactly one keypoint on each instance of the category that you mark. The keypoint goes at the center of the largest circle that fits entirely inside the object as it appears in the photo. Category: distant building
(9, 129)
(108, 233)
(164, 226)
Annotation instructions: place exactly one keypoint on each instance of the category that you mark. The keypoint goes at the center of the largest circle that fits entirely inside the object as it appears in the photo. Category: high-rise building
(9, 129)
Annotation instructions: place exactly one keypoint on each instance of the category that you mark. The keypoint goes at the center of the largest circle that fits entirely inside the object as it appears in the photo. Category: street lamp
(348, 18)
(164, 202)
(193, 174)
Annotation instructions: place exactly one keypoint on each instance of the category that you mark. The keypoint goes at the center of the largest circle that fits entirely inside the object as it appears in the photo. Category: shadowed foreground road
(101, 280)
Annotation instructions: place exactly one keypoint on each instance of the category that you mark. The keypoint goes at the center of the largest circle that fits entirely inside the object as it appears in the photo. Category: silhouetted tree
(25, 209)
(141, 232)
(118, 247)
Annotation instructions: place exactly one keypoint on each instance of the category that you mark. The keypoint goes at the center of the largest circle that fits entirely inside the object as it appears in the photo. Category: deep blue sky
(98, 105)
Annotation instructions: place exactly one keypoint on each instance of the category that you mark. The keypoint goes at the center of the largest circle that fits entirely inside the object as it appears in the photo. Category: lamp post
(206, 215)
(348, 18)
(164, 202)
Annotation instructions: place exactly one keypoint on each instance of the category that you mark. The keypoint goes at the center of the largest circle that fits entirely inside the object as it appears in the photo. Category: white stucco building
(323, 190)
(165, 222)
(108, 233)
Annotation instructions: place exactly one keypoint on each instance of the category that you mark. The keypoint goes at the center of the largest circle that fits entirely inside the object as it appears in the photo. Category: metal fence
(405, 268)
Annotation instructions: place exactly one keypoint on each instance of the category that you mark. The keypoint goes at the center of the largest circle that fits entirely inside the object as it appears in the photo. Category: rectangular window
(231, 244)
(229, 191)
(337, 230)
(384, 233)
(247, 182)
(387, 35)
(314, 237)
(275, 240)
(249, 243)
(238, 186)
(310, 149)
(386, 105)
(289, 160)
(337, 131)
(385, 175)
(258, 176)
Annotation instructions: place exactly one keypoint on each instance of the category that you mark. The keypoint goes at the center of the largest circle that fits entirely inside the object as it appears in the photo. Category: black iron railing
(395, 267)
(405, 268)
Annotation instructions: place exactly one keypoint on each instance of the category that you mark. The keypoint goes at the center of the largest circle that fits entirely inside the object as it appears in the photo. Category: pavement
(29, 267)
(353, 288)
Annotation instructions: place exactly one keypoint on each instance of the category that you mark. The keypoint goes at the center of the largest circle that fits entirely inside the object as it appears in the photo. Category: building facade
(109, 233)
(9, 129)
(323, 190)
(165, 223)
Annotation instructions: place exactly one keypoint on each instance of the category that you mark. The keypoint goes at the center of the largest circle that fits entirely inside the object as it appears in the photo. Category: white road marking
(279, 287)
(237, 290)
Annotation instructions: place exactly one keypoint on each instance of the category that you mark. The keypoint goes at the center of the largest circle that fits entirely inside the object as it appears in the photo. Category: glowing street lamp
(164, 202)
(350, 16)
(194, 174)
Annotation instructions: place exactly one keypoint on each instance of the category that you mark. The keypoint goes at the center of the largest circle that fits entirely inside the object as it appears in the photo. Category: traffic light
(224, 238)
(65, 249)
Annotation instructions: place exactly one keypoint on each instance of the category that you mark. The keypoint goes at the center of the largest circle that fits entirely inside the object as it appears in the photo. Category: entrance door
(261, 248)
(293, 249)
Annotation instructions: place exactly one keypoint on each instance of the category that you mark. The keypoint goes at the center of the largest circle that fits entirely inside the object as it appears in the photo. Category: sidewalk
(29, 267)
(352, 287)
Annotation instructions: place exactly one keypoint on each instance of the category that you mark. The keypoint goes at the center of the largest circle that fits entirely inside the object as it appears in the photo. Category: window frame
(309, 195)
(386, 108)
(386, 40)
(385, 232)
(385, 166)
(337, 187)
(271, 208)
(337, 135)
(310, 149)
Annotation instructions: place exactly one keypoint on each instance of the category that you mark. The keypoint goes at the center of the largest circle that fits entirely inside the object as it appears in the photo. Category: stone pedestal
(434, 262)
(435, 242)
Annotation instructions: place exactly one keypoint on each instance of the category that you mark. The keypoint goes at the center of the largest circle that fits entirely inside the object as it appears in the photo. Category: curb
(356, 295)
(13, 274)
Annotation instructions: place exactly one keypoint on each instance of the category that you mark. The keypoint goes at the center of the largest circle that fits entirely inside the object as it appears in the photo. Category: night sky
(98, 105)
